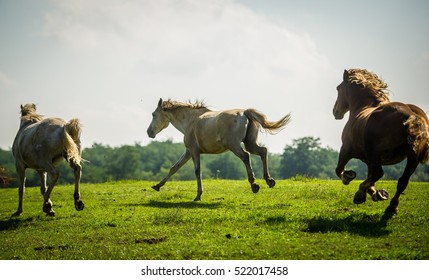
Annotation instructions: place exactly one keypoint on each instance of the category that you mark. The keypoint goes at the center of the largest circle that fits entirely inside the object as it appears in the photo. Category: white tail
(71, 141)
(268, 126)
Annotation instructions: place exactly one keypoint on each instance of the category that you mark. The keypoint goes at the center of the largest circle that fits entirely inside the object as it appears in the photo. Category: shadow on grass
(275, 220)
(13, 223)
(187, 204)
(361, 224)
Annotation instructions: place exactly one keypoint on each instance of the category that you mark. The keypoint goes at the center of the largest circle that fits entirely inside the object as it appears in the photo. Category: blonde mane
(28, 114)
(171, 105)
(371, 82)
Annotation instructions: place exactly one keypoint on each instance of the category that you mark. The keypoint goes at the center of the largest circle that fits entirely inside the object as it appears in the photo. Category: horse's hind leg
(77, 169)
(42, 175)
(54, 175)
(245, 157)
(375, 172)
(254, 148)
(411, 166)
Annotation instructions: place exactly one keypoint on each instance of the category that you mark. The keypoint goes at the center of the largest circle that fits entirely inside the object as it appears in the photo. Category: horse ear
(345, 75)
(160, 102)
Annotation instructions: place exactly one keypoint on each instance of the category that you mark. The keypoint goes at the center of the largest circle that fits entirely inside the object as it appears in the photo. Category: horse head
(28, 109)
(360, 88)
(159, 122)
(341, 106)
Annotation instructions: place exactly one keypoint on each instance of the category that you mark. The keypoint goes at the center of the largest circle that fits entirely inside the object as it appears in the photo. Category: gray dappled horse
(41, 144)
(214, 132)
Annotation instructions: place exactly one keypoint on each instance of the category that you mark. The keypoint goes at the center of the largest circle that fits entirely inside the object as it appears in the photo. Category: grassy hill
(298, 219)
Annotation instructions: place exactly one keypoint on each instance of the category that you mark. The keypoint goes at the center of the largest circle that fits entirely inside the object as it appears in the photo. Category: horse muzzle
(338, 115)
(151, 135)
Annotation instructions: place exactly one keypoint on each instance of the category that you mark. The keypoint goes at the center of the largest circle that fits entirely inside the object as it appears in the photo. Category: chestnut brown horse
(378, 132)
(41, 144)
(214, 132)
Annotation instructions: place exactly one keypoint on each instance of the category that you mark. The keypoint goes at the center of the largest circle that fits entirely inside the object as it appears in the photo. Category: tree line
(305, 157)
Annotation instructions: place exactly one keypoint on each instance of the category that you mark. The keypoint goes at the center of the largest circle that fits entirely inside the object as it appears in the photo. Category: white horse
(41, 144)
(211, 132)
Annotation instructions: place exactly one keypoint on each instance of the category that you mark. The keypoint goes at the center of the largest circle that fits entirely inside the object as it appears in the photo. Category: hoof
(390, 212)
(271, 182)
(47, 208)
(156, 187)
(348, 176)
(197, 199)
(79, 205)
(255, 188)
(51, 213)
(360, 197)
(380, 195)
(17, 213)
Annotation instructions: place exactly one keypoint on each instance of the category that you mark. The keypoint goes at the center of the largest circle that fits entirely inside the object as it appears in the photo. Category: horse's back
(39, 142)
(418, 111)
(216, 131)
(222, 121)
(386, 134)
(388, 119)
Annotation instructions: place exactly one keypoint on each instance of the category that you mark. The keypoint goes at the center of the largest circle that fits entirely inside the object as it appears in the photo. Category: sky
(107, 62)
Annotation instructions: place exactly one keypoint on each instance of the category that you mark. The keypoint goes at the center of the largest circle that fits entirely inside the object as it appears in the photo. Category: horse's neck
(355, 127)
(29, 120)
(361, 106)
(183, 119)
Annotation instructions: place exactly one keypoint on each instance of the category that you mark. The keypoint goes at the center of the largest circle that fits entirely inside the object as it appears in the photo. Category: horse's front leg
(78, 204)
(346, 176)
(21, 189)
(183, 159)
(197, 164)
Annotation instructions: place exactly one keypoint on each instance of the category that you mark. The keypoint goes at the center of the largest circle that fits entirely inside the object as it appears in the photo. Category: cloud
(182, 37)
(425, 56)
(217, 50)
(6, 82)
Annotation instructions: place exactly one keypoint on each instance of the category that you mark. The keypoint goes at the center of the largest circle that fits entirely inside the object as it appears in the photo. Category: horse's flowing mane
(371, 82)
(171, 104)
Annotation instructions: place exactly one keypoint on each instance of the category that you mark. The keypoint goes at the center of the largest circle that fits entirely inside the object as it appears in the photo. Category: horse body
(214, 132)
(371, 129)
(41, 144)
(378, 132)
(209, 135)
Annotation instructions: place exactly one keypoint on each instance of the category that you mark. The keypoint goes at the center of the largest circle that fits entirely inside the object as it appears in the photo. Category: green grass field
(298, 219)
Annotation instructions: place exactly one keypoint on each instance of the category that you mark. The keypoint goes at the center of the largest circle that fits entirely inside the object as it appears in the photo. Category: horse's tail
(418, 136)
(261, 120)
(71, 141)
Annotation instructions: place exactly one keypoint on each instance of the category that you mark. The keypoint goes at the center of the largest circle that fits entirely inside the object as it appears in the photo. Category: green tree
(152, 162)
(306, 157)
(226, 166)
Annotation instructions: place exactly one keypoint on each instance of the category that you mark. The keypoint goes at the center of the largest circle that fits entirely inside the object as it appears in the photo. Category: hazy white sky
(108, 62)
